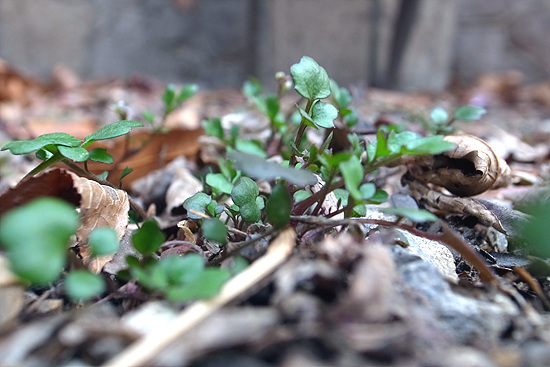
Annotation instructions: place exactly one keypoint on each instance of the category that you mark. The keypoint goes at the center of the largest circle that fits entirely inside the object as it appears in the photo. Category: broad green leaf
(396, 141)
(428, 145)
(469, 113)
(77, 154)
(250, 212)
(414, 214)
(181, 269)
(28, 146)
(251, 147)
(207, 285)
(35, 236)
(103, 241)
(379, 197)
(244, 191)
(213, 127)
(310, 79)
(169, 95)
(352, 170)
(81, 285)
(272, 107)
(100, 155)
(148, 238)
(342, 195)
(259, 168)
(340, 96)
(278, 207)
(367, 190)
(324, 114)
(306, 118)
(439, 115)
(197, 202)
(219, 182)
(381, 145)
(187, 91)
(111, 131)
(301, 195)
(214, 230)
(536, 231)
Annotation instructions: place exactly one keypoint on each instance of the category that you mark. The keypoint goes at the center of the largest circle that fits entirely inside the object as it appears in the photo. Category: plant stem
(299, 135)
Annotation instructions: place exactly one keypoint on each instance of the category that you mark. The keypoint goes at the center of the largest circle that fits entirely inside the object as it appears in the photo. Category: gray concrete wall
(222, 42)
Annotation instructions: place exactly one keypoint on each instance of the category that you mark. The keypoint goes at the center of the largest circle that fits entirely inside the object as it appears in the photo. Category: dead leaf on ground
(145, 152)
(467, 170)
(100, 206)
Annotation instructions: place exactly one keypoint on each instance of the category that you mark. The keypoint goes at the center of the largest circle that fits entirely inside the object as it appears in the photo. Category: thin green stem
(300, 134)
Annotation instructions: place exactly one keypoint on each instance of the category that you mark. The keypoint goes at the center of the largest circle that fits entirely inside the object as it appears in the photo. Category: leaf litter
(365, 296)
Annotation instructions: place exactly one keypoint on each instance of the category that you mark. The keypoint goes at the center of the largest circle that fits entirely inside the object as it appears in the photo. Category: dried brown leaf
(469, 169)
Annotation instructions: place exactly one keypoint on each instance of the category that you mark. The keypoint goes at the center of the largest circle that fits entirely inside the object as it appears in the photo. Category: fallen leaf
(469, 169)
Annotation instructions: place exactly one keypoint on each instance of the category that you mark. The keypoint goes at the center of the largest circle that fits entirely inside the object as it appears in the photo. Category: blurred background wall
(402, 44)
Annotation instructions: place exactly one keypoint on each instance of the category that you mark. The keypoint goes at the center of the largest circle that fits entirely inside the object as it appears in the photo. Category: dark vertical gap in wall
(373, 72)
(402, 29)
(251, 57)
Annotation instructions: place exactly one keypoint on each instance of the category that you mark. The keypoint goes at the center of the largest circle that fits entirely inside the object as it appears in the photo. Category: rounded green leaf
(207, 285)
(310, 79)
(245, 191)
(197, 202)
(81, 285)
(103, 241)
(148, 238)
(182, 269)
(214, 230)
(469, 113)
(352, 170)
(278, 206)
(111, 131)
(28, 146)
(100, 155)
(36, 236)
(77, 154)
(439, 115)
(324, 114)
(219, 182)
(250, 212)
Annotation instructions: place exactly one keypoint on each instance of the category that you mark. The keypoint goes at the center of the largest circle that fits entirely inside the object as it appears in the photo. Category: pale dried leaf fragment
(471, 168)
(100, 206)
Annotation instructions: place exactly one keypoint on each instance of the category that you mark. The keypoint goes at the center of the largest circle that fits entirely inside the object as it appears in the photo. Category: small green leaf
(252, 88)
(352, 170)
(414, 214)
(207, 285)
(301, 195)
(169, 95)
(278, 207)
(181, 269)
(36, 235)
(125, 172)
(536, 231)
(469, 113)
(324, 114)
(381, 146)
(428, 145)
(111, 131)
(219, 183)
(340, 96)
(213, 127)
(259, 168)
(251, 147)
(100, 155)
(197, 202)
(149, 117)
(77, 154)
(245, 191)
(187, 91)
(250, 212)
(367, 190)
(103, 241)
(81, 285)
(272, 107)
(310, 80)
(379, 197)
(214, 230)
(148, 238)
(28, 146)
(439, 115)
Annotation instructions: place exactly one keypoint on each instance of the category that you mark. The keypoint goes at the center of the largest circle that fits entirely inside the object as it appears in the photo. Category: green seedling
(441, 123)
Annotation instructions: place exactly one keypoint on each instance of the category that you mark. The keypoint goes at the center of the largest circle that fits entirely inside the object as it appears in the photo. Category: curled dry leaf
(469, 169)
(100, 206)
